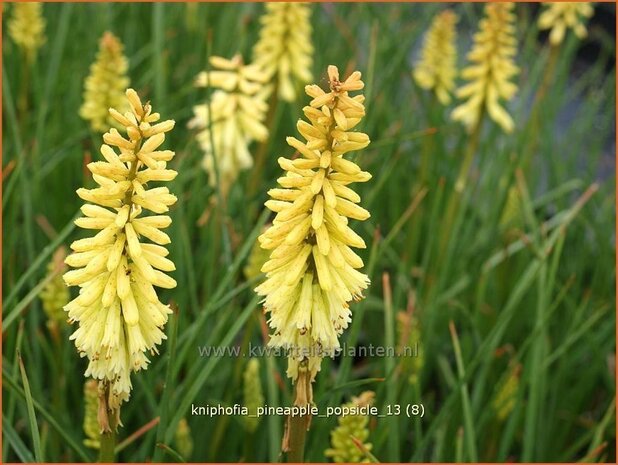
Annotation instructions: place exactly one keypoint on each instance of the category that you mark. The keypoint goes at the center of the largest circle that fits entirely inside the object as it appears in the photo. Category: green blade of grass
(274, 423)
(469, 430)
(171, 452)
(193, 388)
(389, 368)
(15, 442)
(599, 431)
(169, 383)
(23, 303)
(12, 385)
(158, 54)
(34, 427)
(42, 257)
(189, 337)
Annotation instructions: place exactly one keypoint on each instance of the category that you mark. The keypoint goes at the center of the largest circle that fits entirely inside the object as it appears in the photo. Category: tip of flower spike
(135, 102)
(110, 41)
(333, 73)
(313, 90)
(224, 63)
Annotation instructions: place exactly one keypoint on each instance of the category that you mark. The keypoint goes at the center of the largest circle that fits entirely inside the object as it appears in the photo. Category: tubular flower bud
(238, 110)
(409, 330)
(184, 441)
(505, 396)
(257, 257)
(560, 16)
(104, 87)
(312, 273)
(512, 217)
(437, 67)
(55, 295)
(119, 314)
(27, 27)
(284, 49)
(91, 409)
(343, 449)
(253, 396)
(491, 69)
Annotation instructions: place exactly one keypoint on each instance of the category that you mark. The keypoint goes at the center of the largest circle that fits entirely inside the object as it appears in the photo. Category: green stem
(534, 119)
(108, 438)
(547, 75)
(428, 148)
(23, 103)
(108, 444)
(297, 436)
(469, 431)
(460, 186)
(294, 443)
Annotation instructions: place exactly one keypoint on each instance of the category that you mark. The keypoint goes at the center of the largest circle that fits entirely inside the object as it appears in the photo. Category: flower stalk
(298, 425)
(106, 415)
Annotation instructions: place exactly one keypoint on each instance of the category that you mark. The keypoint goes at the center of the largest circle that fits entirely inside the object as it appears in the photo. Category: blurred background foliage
(513, 312)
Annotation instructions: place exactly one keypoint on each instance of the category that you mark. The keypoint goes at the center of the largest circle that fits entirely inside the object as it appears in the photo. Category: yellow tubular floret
(311, 274)
(491, 69)
(119, 314)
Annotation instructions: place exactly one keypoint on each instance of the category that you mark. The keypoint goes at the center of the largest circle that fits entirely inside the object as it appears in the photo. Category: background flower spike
(285, 51)
(491, 70)
(437, 67)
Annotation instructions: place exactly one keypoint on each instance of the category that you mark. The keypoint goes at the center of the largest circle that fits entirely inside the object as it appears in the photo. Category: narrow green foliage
(493, 250)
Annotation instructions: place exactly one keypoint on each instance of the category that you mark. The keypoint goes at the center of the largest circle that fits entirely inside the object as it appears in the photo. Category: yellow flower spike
(311, 275)
(55, 295)
(119, 314)
(343, 449)
(183, 438)
(91, 409)
(409, 332)
(492, 67)
(104, 87)
(257, 258)
(27, 27)
(437, 67)
(560, 16)
(238, 110)
(284, 50)
(506, 391)
(253, 396)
